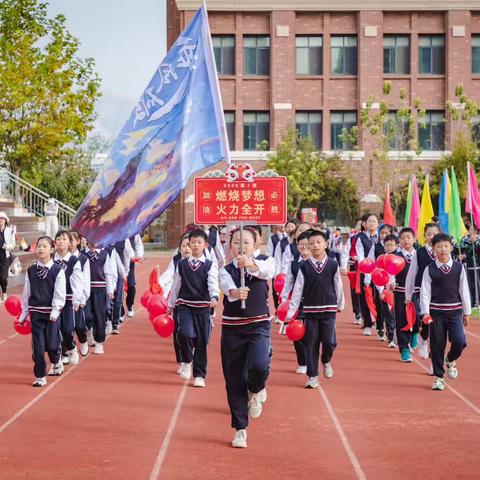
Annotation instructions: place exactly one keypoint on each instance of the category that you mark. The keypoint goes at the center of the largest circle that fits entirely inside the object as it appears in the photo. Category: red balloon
(380, 277)
(156, 306)
(282, 310)
(145, 298)
(380, 263)
(24, 328)
(279, 282)
(13, 305)
(394, 264)
(163, 325)
(367, 265)
(295, 330)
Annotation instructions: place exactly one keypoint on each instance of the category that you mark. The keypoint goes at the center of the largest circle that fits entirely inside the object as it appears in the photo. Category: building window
(230, 124)
(344, 55)
(224, 50)
(256, 55)
(431, 135)
(431, 54)
(396, 54)
(309, 55)
(256, 129)
(397, 132)
(341, 123)
(476, 54)
(310, 124)
(476, 130)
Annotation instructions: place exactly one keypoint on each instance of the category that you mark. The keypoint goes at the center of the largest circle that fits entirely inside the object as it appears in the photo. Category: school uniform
(445, 296)
(349, 263)
(280, 244)
(74, 292)
(245, 342)
(137, 245)
(195, 285)
(124, 252)
(102, 284)
(43, 298)
(216, 245)
(80, 324)
(319, 287)
(472, 265)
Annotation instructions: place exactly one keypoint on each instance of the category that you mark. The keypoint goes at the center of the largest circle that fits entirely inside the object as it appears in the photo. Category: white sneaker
(39, 382)
(199, 382)
(90, 339)
(452, 371)
(262, 395)
(278, 322)
(438, 384)
(254, 405)
(302, 370)
(108, 327)
(240, 439)
(358, 320)
(73, 356)
(312, 382)
(327, 370)
(179, 369)
(98, 349)
(130, 313)
(56, 369)
(186, 372)
(283, 328)
(382, 337)
(65, 360)
(392, 344)
(84, 349)
(367, 331)
(422, 348)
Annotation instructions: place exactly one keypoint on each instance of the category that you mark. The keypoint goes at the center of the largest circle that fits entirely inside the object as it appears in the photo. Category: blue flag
(444, 202)
(176, 129)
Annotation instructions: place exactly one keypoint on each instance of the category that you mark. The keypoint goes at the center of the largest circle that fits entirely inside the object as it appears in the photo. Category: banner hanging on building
(176, 129)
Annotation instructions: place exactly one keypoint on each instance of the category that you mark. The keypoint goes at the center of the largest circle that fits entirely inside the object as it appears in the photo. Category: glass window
(476, 54)
(340, 123)
(344, 55)
(309, 55)
(431, 136)
(310, 124)
(256, 55)
(256, 129)
(396, 54)
(230, 124)
(396, 131)
(476, 130)
(224, 51)
(431, 54)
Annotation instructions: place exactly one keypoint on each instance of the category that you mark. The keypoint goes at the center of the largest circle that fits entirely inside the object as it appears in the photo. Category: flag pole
(242, 270)
(475, 273)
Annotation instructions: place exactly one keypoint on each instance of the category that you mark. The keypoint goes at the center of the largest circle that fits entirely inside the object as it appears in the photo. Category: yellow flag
(426, 212)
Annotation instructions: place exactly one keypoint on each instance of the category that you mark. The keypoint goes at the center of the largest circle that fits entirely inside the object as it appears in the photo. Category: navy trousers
(364, 310)
(67, 327)
(388, 320)
(194, 329)
(45, 338)
(451, 324)
(403, 338)
(95, 313)
(80, 325)
(320, 329)
(380, 323)
(176, 343)
(117, 302)
(131, 286)
(245, 361)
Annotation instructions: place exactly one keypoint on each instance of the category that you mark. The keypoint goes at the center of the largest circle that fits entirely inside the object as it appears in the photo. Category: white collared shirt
(76, 278)
(289, 280)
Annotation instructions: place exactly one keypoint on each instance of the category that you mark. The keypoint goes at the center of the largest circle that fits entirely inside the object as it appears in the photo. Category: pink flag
(415, 209)
(472, 203)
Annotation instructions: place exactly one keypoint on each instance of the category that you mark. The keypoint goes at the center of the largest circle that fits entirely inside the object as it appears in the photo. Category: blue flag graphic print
(176, 129)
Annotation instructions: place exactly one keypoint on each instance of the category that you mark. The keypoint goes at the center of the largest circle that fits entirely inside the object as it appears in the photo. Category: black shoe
(115, 330)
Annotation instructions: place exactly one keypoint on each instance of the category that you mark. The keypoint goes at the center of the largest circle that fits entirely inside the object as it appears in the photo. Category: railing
(32, 198)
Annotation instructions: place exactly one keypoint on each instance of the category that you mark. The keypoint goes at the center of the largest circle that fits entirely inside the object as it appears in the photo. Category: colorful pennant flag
(444, 201)
(426, 212)
(415, 207)
(406, 221)
(388, 214)
(456, 227)
(472, 204)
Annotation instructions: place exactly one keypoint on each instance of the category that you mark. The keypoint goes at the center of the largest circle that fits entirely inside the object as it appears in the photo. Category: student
(406, 339)
(319, 287)
(74, 288)
(424, 256)
(335, 244)
(102, 286)
(80, 325)
(278, 236)
(470, 248)
(137, 245)
(7, 245)
(215, 245)
(293, 269)
(43, 299)
(245, 343)
(194, 292)
(446, 298)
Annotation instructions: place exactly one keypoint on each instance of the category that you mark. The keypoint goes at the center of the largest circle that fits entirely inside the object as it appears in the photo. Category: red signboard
(262, 201)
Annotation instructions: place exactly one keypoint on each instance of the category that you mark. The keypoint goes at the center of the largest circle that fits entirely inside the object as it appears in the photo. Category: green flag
(409, 204)
(455, 222)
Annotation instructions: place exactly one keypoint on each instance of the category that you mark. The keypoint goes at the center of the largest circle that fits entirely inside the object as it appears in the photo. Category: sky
(127, 39)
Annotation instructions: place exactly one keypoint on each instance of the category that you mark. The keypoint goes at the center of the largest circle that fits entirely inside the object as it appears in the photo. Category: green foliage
(47, 93)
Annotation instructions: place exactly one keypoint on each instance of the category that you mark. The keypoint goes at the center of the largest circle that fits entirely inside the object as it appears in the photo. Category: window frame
(431, 55)
(395, 50)
(343, 48)
(257, 50)
(430, 126)
(309, 126)
(220, 69)
(309, 54)
(475, 39)
(256, 124)
(346, 147)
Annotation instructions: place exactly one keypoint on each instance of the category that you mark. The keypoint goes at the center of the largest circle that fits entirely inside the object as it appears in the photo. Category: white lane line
(472, 334)
(453, 390)
(8, 338)
(168, 436)
(32, 402)
(346, 444)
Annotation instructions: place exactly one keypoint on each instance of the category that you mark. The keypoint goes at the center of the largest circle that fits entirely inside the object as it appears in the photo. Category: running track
(126, 415)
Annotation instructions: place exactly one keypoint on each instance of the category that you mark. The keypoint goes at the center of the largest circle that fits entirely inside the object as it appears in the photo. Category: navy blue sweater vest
(401, 278)
(68, 273)
(366, 242)
(274, 238)
(41, 290)
(256, 303)
(424, 259)
(194, 285)
(319, 294)
(445, 287)
(97, 271)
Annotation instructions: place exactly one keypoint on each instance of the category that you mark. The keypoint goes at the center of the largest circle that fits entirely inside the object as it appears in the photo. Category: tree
(313, 177)
(47, 93)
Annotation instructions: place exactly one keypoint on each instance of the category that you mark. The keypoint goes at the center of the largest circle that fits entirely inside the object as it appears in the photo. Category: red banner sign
(262, 201)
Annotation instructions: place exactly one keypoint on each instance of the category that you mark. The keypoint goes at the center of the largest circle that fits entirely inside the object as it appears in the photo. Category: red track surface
(126, 415)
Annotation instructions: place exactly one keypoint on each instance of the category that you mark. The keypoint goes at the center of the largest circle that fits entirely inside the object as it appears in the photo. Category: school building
(314, 64)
